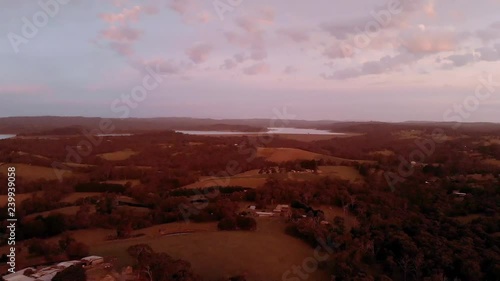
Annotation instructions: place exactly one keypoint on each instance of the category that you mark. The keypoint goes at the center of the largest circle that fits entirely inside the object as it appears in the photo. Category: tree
(124, 230)
(246, 223)
(139, 251)
(72, 273)
(228, 223)
(77, 250)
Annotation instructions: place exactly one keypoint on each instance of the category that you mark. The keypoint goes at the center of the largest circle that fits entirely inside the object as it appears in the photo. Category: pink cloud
(123, 33)
(125, 16)
(24, 89)
(124, 49)
(256, 69)
(290, 70)
(199, 53)
(427, 42)
(297, 35)
(181, 6)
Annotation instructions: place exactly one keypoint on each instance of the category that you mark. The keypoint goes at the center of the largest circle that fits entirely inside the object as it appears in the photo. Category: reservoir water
(291, 131)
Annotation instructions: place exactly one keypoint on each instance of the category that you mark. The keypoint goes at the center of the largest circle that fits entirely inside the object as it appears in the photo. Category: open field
(71, 210)
(19, 197)
(492, 161)
(278, 155)
(409, 134)
(118, 155)
(253, 179)
(32, 173)
(311, 138)
(468, 218)
(263, 255)
(342, 172)
(73, 197)
(385, 152)
(491, 140)
(124, 182)
(22, 153)
(331, 212)
(249, 181)
(77, 165)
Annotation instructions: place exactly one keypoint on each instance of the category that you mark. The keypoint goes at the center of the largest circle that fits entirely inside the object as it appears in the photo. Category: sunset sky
(340, 60)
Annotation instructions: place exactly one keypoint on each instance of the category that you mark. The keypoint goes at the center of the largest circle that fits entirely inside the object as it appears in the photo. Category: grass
(20, 197)
(252, 178)
(385, 152)
(124, 182)
(342, 172)
(118, 155)
(33, 173)
(468, 218)
(279, 155)
(76, 165)
(409, 134)
(22, 153)
(250, 182)
(262, 255)
(311, 138)
(75, 196)
(72, 210)
(491, 161)
(331, 212)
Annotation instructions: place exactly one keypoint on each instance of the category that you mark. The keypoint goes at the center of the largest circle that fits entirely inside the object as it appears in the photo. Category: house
(281, 208)
(92, 260)
(46, 274)
(67, 264)
(461, 194)
(252, 208)
(264, 214)
(19, 275)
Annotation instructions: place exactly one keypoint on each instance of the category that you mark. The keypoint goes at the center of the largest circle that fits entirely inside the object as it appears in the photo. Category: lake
(114, 135)
(290, 131)
(2, 137)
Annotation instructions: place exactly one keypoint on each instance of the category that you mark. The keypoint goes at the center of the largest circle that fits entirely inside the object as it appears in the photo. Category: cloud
(336, 52)
(426, 41)
(190, 11)
(489, 53)
(122, 48)
(430, 8)
(122, 33)
(240, 57)
(233, 62)
(127, 15)
(229, 64)
(490, 33)
(295, 34)
(290, 70)
(23, 89)
(258, 54)
(256, 69)
(199, 53)
(385, 64)
(161, 66)
(459, 60)
(181, 6)
(256, 22)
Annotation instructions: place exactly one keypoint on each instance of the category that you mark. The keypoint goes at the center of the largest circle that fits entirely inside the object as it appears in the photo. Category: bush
(246, 223)
(227, 224)
(72, 273)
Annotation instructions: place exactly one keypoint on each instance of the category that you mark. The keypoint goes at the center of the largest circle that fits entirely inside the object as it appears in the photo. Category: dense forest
(409, 228)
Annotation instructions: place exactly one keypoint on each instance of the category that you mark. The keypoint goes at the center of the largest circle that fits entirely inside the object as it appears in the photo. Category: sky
(396, 60)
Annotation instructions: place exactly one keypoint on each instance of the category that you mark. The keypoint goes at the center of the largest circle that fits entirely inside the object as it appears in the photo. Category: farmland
(32, 172)
(264, 254)
(118, 155)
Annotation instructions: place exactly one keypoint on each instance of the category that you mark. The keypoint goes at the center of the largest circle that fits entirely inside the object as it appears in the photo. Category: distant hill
(46, 125)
